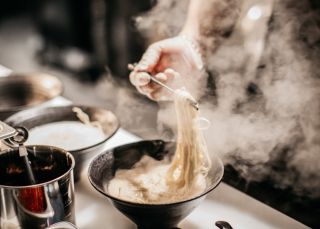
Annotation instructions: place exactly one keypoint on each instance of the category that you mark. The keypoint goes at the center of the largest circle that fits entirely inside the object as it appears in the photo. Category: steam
(134, 111)
(156, 24)
(264, 122)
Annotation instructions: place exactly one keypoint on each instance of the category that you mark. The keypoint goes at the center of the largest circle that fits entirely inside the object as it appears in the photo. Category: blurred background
(87, 44)
(82, 37)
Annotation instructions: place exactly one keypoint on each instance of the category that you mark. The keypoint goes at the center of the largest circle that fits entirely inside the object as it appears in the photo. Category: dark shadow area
(301, 208)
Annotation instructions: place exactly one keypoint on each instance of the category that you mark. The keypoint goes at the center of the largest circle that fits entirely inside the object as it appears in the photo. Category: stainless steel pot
(36, 206)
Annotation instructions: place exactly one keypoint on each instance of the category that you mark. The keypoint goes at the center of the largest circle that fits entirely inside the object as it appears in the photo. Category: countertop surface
(93, 210)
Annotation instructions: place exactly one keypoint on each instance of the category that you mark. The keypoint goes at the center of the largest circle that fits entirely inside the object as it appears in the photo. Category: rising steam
(264, 109)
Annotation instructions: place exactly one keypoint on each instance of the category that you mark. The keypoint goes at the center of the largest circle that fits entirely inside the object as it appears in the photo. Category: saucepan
(49, 200)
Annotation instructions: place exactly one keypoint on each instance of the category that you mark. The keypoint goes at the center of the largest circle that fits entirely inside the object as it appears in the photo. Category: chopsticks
(193, 103)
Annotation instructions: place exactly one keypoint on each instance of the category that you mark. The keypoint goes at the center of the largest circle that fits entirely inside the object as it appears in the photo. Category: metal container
(36, 117)
(36, 206)
(22, 91)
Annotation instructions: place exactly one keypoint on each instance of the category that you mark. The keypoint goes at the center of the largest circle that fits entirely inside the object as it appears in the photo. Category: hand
(166, 60)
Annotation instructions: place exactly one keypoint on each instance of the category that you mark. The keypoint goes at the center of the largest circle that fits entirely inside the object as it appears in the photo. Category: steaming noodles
(191, 157)
(152, 181)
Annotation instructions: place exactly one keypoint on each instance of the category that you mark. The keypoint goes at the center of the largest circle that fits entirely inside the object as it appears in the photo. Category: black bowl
(19, 92)
(40, 116)
(155, 216)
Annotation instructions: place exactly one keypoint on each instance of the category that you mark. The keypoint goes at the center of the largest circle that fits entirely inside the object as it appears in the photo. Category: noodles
(83, 117)
(191, 157)
(155, 182)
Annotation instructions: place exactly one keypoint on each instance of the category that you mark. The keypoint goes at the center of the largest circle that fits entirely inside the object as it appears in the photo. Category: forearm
(209, 21)
(191, 26)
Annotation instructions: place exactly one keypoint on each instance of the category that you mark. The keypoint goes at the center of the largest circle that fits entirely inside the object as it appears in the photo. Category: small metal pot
(36, 206)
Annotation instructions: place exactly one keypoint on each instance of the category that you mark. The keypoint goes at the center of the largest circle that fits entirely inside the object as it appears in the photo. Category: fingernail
(143, 78)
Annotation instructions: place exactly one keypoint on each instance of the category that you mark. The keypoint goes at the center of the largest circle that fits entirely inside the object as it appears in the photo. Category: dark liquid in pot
(46, 166)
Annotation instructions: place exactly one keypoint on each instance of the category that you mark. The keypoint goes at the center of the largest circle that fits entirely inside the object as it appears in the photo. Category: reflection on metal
(62, 225)
(6, 131)
(48, 211)
(4, 71)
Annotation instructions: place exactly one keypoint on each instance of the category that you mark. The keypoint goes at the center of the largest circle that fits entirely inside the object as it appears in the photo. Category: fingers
(179, 53)
(161, 77)
(149, 59)
(171, 74)
(153, 90)
(163, 94)
(181, 45)
(151, 87)
(152, 56)
(156, 92)
(139, 78)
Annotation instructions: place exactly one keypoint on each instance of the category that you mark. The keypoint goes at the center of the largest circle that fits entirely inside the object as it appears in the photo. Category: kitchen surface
(65, 61)
(224, 204)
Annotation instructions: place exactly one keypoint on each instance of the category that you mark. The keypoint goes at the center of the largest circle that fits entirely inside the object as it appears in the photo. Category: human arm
(206, 23)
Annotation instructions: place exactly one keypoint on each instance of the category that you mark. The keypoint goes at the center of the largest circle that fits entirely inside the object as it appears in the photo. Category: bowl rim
(80, 150)
(144, 205)
(69, 171)
(20, 77)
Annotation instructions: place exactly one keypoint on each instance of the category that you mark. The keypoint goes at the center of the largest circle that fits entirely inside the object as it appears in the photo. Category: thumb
(150, 58)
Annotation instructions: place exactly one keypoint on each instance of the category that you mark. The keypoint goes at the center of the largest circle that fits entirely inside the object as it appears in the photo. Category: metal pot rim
(47, 182)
